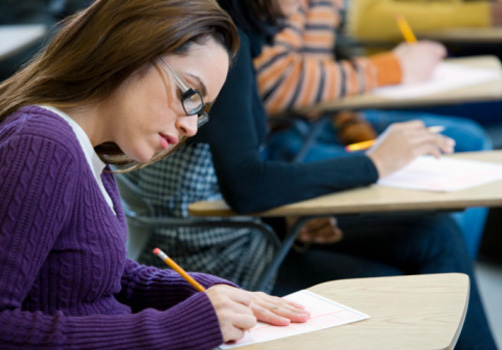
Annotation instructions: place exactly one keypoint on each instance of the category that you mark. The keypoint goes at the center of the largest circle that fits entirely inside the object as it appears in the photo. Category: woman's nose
(187, 125)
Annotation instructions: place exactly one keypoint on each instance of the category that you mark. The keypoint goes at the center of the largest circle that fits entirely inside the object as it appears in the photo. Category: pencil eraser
(156, 251)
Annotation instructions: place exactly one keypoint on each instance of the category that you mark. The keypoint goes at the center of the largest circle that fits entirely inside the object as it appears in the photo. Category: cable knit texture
(64, 280)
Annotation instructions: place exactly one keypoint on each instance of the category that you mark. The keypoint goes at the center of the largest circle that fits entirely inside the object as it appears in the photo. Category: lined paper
(324, 313)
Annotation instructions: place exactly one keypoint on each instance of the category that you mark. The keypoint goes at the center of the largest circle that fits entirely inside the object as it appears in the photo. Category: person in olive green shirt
(374, 20)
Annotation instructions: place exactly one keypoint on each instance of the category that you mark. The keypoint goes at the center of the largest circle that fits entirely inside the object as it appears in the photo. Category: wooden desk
(14, 38)
(374, 198)
(466, 35)
(486, 35)
(407, 312)
(371, 199)
(479, 92)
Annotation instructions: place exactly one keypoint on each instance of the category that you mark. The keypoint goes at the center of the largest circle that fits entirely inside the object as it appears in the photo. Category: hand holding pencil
(238, 310)
(363, 145)
(400, 143)
(417, 59)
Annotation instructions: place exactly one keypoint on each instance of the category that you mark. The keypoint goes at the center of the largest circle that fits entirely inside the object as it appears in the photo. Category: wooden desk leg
(283, 251)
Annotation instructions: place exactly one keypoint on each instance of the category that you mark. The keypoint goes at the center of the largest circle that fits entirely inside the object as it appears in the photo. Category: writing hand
(233, 309)
(238, 310)
(418, 60)
(400, 143)
(277, 311)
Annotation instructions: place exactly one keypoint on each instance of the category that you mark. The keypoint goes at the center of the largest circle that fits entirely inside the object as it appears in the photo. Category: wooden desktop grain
(406, 312)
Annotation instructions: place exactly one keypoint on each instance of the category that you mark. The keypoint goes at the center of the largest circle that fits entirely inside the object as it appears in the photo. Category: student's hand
(238, 310)
(418, 60)
(400, 143)
(319, 230)
(277, 311)
(233, 308)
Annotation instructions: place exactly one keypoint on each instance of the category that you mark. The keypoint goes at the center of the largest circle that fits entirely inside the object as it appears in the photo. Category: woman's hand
(418, 60)
(233, 309)
(277, 311)
(319, 230)
(238, 310)
(401, 143)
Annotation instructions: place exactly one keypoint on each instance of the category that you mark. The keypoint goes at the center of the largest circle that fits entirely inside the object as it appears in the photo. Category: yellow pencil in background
(178, 269)
(359, 146)
(405, 29)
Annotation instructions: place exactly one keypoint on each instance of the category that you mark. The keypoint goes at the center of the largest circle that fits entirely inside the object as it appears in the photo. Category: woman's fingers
(419, 60)
(233, 309)
(403, 142)
(277, 311)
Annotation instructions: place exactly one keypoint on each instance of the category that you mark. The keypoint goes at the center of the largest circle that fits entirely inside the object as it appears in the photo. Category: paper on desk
(324, 313)
(446, 77)
(443, 175)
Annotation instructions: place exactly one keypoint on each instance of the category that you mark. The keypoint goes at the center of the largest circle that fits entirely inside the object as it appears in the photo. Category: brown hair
(97, 49)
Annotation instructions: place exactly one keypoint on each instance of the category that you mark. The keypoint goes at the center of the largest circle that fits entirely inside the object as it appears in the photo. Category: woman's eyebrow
(201, 87)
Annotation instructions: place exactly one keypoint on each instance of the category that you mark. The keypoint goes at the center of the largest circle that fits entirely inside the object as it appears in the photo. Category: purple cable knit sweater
(64, 280)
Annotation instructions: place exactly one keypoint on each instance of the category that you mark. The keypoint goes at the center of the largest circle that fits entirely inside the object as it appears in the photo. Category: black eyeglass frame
(187, 95)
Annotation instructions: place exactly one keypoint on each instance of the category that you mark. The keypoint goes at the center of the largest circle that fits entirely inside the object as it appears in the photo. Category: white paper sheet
(443, 175)
(446, 77)
(324, 313)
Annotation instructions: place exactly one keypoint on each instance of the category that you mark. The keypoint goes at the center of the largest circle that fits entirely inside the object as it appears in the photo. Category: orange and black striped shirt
(300, 68)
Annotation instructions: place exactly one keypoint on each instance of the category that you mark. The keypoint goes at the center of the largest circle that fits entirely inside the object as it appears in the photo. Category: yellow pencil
(178, 269)
(405, 29)
(359, 146)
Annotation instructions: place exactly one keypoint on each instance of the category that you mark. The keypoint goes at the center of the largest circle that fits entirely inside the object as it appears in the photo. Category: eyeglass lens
(192, 102)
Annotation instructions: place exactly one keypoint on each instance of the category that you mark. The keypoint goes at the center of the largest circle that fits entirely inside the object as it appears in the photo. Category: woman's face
(146, 111)
(288, 7)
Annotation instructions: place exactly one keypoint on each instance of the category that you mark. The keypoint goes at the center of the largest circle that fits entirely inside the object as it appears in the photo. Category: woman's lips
(166, 140)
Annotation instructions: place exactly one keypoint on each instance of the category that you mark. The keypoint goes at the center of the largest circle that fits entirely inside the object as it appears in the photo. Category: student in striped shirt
(298, 68)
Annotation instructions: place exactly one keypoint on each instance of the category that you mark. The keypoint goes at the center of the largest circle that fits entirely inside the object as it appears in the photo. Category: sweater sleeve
(375, 19)
(37, 176)
(149, 287)
(299, 68)
(236, 133)
(191, 324)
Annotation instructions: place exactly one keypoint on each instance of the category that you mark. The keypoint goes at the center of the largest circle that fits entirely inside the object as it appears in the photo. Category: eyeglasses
(191, 99)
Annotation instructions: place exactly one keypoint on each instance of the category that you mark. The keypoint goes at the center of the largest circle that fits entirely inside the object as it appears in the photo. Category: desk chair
(141, 221)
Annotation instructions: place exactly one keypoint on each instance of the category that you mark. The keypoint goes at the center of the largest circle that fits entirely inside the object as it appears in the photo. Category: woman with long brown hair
(122, 83)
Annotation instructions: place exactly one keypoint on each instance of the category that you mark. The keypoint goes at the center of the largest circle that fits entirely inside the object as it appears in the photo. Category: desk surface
(373, 199)
(406, 312)
(487, 91)
(479, 35)
(14, 38)
(466, 35)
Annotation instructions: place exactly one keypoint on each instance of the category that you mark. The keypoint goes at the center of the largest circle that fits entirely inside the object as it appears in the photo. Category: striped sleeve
(300, 69)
